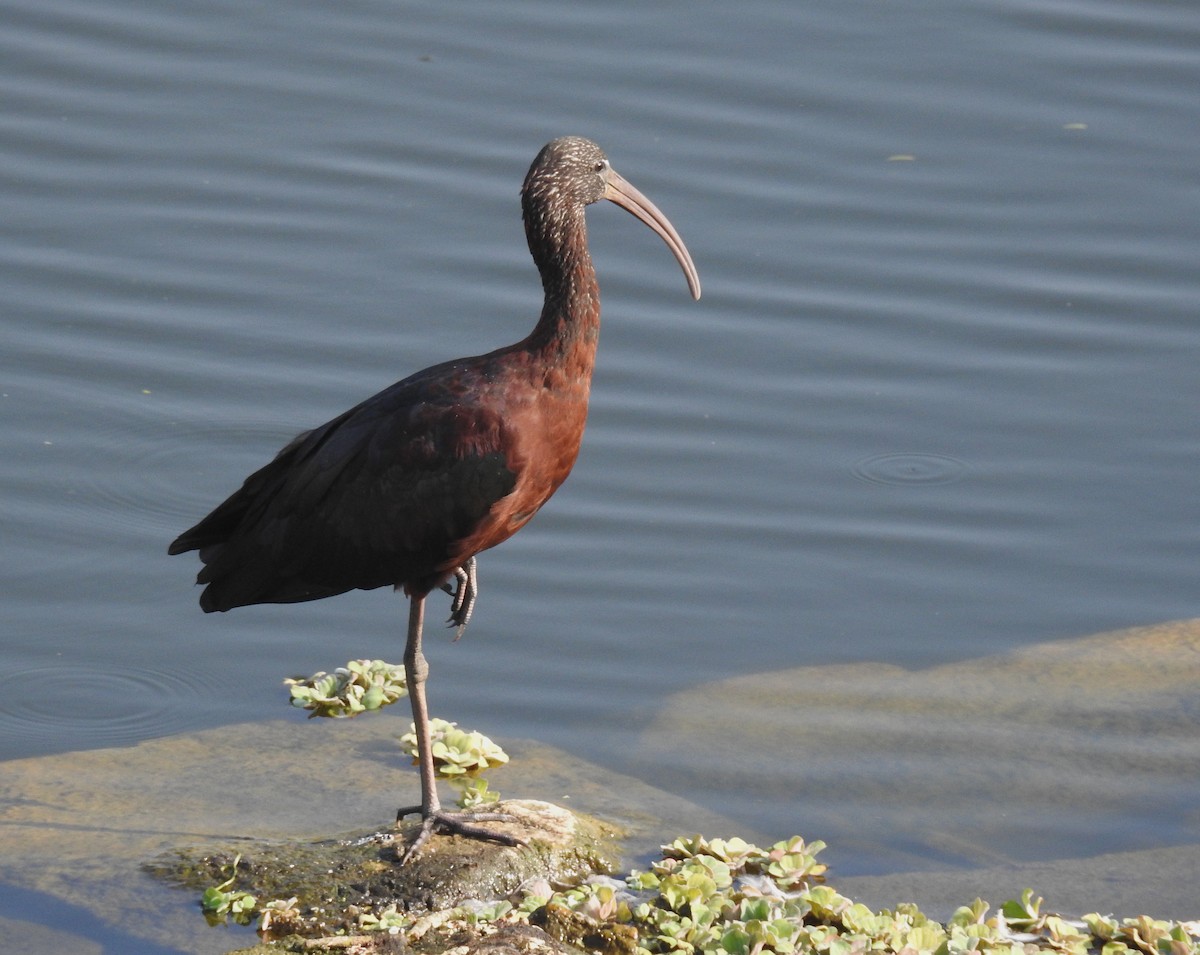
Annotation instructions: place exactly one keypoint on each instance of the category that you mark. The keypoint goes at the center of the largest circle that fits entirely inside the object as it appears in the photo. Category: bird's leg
(416, 671)
(465, 594)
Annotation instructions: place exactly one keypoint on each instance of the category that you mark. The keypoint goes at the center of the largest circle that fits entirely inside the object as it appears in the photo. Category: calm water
(938, 400)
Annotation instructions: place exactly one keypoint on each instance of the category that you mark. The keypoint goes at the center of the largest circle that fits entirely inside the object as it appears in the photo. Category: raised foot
(463, 595)
(457, 824)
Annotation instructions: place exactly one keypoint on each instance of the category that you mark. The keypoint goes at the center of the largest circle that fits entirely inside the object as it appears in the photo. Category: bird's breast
(551, 432)
(545, 429)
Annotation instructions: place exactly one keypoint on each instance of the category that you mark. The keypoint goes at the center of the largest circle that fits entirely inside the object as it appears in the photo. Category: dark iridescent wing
(375, 497)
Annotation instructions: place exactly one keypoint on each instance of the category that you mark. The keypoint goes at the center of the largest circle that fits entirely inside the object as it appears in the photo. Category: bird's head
(571, 173)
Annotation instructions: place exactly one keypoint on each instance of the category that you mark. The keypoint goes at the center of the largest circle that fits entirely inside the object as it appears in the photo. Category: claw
(457, 823)
(465, 594)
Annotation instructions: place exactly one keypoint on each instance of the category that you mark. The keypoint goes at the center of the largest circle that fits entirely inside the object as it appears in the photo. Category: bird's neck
(569, 326)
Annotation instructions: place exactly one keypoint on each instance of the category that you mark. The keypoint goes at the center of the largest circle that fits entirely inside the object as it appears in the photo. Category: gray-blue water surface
(938, 401)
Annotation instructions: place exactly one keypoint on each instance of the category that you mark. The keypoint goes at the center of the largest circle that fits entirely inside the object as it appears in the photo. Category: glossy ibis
(404, 489)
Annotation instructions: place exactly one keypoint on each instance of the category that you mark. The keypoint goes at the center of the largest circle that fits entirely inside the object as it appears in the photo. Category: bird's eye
(601, 165)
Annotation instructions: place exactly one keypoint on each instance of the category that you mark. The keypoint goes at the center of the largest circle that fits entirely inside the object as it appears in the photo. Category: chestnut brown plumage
(407, 487)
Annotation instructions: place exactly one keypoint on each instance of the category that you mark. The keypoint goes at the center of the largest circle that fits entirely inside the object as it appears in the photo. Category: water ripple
(96, 703)
(905, 468)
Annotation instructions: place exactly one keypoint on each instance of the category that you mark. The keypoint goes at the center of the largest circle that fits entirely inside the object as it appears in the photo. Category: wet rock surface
(330, 884)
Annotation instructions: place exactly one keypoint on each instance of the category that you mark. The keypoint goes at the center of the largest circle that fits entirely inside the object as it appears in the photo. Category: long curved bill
(617, 189)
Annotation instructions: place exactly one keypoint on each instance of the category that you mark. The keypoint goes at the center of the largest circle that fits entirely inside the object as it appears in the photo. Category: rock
(335, 882)
(562, 847)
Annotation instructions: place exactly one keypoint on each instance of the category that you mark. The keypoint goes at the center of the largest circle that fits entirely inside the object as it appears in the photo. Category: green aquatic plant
(733, 898)
(389, 919)
(1024, 913)
(716, 896)
(219, 902)
(1142, 935)
(460, 756)
(473, 792)
(789, 864)
(359, 686)
(456, 752)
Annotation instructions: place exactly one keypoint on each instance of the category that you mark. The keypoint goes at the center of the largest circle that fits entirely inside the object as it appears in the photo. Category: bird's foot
(465, 594)
(457, 824)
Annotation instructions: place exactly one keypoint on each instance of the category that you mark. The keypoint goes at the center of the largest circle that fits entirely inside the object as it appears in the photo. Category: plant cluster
(221, 902)
(456, 752)
(715, 896)
(729, 897)
(359, 686)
